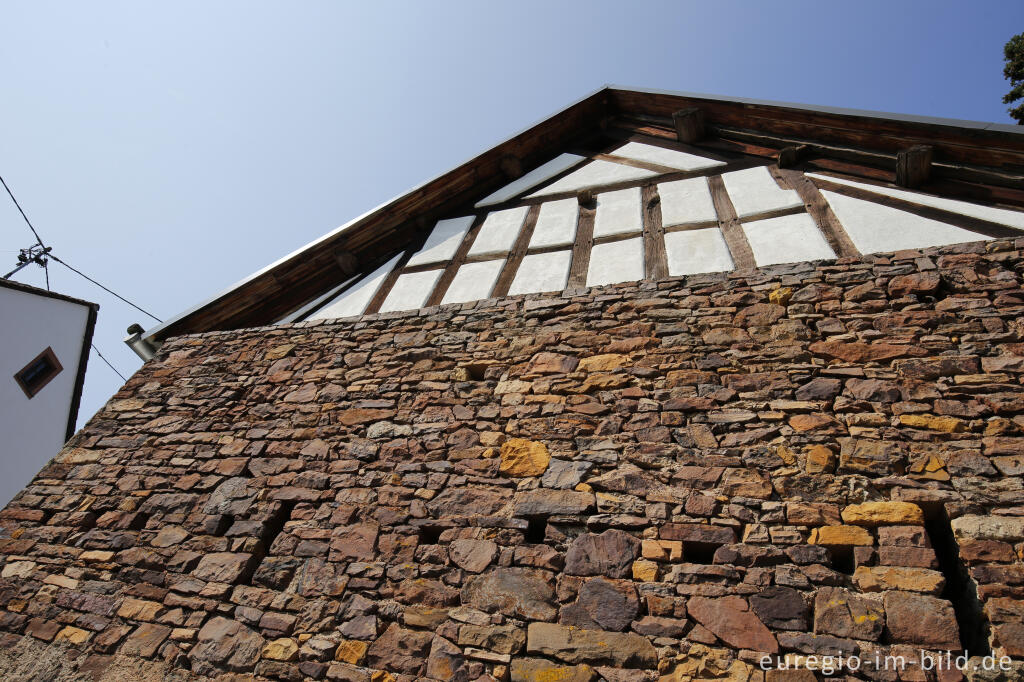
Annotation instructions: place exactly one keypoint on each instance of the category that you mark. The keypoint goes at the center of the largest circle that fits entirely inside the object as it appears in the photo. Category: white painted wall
(1003, 216)
(686, 201)
(33, 430)
(787, 239)
(638, 151)
(595, 174)
(694, 251)
(354, 300)
(618, 212)
(499, 232)
(542, 272)
(615, 262)
(874, 228)
(754, 190)
(473, 281)
(443, 241)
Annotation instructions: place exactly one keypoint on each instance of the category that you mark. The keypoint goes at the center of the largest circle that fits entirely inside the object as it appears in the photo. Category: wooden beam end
(689, 124)
(913, 165)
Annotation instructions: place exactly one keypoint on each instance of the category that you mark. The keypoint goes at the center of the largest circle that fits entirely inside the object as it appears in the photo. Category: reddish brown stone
(732, 621)
(922, 621)
(610, 554)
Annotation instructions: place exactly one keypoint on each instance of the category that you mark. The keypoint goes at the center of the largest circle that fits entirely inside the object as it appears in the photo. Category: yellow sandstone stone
(873, 514)
(73, 636)
(881, 578)
(781, 295)
(278, 352)
(602, 363)
(96, 555)
(645, 571)
(927, 421)
(351, 651)
(662, 550)
(140, 609)
(521, 457)
(841, 536)
(283, 649)
(61, 581)
(820, 460)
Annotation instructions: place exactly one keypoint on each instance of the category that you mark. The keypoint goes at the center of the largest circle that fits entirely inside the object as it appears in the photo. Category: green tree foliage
(1014, 71)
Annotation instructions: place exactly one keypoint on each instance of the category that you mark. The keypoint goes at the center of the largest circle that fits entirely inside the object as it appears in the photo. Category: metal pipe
(144, 349)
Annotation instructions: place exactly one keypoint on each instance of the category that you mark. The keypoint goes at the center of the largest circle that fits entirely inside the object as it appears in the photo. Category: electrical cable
(39, 239)
(82, 274)
(108, 362)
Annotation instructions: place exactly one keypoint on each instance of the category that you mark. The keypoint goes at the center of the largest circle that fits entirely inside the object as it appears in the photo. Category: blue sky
(168, 150)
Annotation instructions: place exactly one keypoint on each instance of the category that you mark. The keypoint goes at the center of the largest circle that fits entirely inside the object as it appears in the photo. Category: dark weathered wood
(515, 257)
(978, 225)
(689, 124)
(645, 165)
(582, 248)
(622, 132)
(822, 213)
(972, 145)
(735, 239)
(790, 156)
(457, 261)
(913, 166)
(667, 177)
(617, 237)
(389, 282)
(512, 166)
(655, 259)
(686, 227)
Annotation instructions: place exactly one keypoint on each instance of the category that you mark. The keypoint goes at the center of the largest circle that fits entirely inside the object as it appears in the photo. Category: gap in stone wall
(960, 590)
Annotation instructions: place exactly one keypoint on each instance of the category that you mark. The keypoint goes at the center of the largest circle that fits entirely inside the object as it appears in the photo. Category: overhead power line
(27, 221)
(108, 362)
(109, 291)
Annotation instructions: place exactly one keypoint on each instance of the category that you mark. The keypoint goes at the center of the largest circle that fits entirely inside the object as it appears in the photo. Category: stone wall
(670, 479)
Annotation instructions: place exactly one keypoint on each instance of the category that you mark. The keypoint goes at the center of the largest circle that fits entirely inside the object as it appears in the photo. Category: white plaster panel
(996, 215)
(618, 212)
(411, 290)
(874, 228)
(595, 174)
(532, 179)
(473, 281)
(787, 239)
(499, 231)
(693, 251)
(443, 241)
(556, 223)
(621, 261)
(356, 298)
(686, 201)
(638, 151)
(542, 272)
(754, 190)
(33, 429)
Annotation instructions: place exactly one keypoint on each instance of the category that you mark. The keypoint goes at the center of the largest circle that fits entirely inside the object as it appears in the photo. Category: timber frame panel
(975, 162)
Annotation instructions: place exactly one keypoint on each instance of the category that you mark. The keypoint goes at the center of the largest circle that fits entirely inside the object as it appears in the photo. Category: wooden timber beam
(913, 166)
(689, 124)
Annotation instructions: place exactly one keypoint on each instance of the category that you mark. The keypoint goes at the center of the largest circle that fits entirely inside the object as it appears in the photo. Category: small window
(38, 373)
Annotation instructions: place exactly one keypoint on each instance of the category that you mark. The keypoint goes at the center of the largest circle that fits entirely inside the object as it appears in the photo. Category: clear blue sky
(171, 149)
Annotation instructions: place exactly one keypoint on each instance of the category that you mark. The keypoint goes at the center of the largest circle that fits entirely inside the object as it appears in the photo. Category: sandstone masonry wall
(668, 479)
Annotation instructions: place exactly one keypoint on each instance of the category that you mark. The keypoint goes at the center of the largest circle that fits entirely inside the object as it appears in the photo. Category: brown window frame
(33, 387)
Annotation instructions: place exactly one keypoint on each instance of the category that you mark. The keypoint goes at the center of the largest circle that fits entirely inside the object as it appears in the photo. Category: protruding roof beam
(913, 166)
(689, 124)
